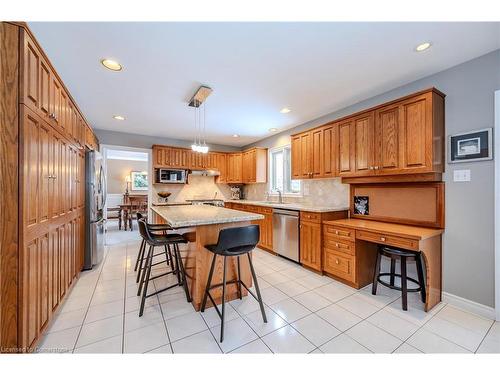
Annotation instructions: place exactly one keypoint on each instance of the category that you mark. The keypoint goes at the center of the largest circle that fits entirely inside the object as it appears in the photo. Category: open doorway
(128, 172)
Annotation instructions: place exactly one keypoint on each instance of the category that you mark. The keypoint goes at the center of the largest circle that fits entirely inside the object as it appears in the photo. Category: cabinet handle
(376, 167)
(336, 261)
(371, 168)
(382, 238)
(336, 232)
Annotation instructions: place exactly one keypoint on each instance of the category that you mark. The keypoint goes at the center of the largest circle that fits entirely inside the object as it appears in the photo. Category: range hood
(205, 172)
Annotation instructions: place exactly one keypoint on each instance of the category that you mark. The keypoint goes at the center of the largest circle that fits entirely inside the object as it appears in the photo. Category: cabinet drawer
(340, 232)
(266, 210)
(310, 216)
(405, 243)
(339, 264)
(333, 243)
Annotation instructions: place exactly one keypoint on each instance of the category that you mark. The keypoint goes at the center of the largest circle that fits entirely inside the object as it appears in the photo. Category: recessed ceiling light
(273, 130)
(285, 110)
(118, 117)
(423, 46)
(236, 136)
(111, 64)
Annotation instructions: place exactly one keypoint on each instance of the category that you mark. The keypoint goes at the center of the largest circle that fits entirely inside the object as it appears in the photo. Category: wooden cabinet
(52, 134)
(234, 168)
(221, 166)
(310, 244)
(265, 225)
(403, 137)
(254, 165)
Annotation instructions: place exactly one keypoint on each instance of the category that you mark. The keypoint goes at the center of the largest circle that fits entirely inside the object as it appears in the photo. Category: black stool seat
(395, 253)
(233, 242)
(164, 239)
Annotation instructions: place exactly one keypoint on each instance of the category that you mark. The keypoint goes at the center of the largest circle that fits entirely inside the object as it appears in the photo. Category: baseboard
(470, 306)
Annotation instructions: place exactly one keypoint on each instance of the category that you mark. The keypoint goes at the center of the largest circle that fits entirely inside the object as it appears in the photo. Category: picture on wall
(472, 146)
(139, 180)
(361, 205)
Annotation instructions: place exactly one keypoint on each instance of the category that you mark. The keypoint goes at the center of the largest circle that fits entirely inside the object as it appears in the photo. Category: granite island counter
(203, 224)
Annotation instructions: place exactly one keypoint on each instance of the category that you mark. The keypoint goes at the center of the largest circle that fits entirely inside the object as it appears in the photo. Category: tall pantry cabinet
(45, 152)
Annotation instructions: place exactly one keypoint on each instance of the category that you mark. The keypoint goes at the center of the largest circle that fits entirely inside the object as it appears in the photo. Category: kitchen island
(202, 224)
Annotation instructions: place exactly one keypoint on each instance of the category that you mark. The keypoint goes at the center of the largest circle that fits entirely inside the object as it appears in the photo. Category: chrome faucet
(280, 197)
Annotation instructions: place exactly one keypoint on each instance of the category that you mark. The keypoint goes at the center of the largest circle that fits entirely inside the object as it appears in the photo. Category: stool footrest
(385, 283)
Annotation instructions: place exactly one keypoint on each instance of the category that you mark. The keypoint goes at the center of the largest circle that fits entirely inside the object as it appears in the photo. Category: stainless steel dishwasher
(286, 233)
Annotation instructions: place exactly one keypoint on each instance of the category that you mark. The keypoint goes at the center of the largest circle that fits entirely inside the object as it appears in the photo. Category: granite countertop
(190, 216)
(291, 206)
(160, 204)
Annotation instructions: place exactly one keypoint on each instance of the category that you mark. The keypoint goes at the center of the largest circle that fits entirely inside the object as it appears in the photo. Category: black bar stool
(402, 255)
(157, 229)
(165, 241)
(233, 242)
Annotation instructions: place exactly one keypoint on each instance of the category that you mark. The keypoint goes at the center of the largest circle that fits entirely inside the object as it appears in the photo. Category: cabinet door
(30, 293)
(63, 120)
(310, 244)
(44, 290)
(329, 154)
(246, 167)
(306, 155)
(31, 74)
(44, 178)
(317, 153)
(346, 148)
(416, 134)
(44, 89)
(62, 260)
(54, 165)
(54, 268)
(222, 167)
(55, 100)
(387, 140)
(296, 157)
(363, 144)
(31, 172)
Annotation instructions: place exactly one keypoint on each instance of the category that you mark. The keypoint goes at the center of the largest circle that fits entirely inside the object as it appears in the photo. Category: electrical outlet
(461, 175)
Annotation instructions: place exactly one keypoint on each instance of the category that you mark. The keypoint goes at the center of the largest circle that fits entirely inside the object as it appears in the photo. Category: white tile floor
(306, 313)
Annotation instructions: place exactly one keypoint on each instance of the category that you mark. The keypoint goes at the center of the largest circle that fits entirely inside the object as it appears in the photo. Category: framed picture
(361, 205)
(472, 146)
(139, 180)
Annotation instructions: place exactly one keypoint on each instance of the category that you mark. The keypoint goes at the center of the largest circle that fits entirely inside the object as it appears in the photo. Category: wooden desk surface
(410, 231)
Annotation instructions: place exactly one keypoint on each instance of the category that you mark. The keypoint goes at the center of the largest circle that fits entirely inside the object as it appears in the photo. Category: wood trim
(355, 114)
(417, 177)
(9, 183)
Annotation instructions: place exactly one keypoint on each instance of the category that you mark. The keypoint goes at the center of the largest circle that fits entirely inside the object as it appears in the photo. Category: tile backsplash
(199, 187)
(320, 192)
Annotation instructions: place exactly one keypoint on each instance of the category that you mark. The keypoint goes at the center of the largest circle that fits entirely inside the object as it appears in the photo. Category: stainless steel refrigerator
(95, 198)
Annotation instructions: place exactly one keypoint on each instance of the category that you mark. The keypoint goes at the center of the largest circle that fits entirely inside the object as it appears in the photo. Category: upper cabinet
(43, 92)
(403, 137)
(249, 166)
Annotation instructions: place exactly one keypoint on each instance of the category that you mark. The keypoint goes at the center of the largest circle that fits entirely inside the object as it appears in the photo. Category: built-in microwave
(171, 176)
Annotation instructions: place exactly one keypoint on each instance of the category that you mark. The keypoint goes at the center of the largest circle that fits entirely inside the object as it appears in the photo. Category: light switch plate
(461, 175)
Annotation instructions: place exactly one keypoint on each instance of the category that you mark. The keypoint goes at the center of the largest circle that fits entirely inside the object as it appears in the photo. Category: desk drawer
(339, 232)
(405, 243)
(315, 217)
(339, 264)
(333, 243)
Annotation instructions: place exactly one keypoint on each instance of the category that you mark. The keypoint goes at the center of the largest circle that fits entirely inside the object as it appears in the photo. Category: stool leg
(421, 280)
(376, 273)
(239, 277)
(141, 263)
(177, 265)
(143, 272)
(140, 255)
(209, 282)
(172, 264)
(404, 292)
(393, 271)
(223, 301)
(182, 271)
(257, 289)
(146, 283)
(166, 255)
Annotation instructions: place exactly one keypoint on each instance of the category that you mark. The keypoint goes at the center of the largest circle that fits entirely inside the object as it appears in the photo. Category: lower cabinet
(310, 244)
(265, 225)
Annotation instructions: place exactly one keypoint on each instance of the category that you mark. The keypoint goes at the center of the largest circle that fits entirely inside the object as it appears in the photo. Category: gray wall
(108, 137)
(468, 254)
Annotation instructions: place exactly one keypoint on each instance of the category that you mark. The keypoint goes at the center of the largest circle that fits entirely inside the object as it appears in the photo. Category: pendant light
(197, 101)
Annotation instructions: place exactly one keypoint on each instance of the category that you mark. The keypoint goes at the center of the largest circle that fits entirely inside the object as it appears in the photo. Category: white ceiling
(255, 69)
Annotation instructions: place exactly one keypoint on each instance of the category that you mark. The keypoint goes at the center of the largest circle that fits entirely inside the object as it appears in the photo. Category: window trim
(271, 192)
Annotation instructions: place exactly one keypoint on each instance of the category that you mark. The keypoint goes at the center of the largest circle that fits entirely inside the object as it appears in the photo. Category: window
(281, 175)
